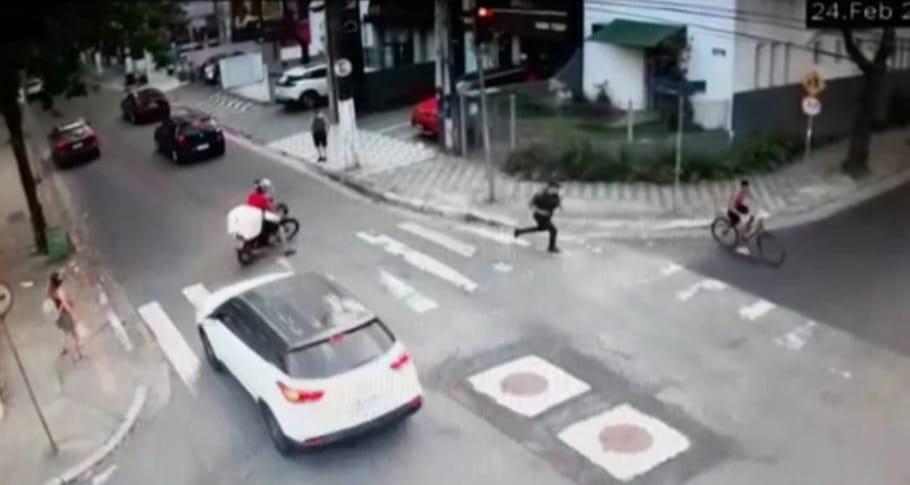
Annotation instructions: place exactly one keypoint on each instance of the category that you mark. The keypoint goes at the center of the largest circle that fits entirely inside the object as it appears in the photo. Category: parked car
(73, 142)
(145, 105)
(188, 136)
(425, 117)
(319, 365)
(304, 86)
(210, 71)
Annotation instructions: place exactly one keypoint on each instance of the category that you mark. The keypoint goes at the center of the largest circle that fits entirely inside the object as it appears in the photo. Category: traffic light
(483, 24)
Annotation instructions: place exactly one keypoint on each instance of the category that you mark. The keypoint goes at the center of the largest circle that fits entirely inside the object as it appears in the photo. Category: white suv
(303, 85)
(318, 364)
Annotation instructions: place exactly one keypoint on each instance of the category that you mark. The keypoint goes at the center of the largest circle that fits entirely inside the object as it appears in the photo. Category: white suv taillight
(401, 361)
(299, 396)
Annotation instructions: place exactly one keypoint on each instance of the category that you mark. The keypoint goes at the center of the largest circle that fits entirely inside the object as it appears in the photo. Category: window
(759, 48)
(816, 52)
(317, 73)
(342, 353)
(838, 50)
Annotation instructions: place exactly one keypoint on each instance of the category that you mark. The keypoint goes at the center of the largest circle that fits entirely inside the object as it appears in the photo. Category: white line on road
(444, 240)
(419, 260)
(286, 264)
(172, 343)
(704, 285)
(497, 236)
(756, 310)
(406, 293)
(104, 476)
(796, 339)
(503, 267)
(670, 269)
(196, 294)
(394, 127)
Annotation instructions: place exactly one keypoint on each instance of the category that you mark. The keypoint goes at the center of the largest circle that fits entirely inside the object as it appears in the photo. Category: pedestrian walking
(543, 205)
(319, 128)
(65, 317)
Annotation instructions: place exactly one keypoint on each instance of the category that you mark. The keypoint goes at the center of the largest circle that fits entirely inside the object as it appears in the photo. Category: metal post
(6, 303)
(512, 120)
(488, 159)
(809, 126)
(463, 124)
(630, 118)
(679, 133)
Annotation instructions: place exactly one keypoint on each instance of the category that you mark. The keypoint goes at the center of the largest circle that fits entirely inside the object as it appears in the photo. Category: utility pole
(345, 65)
(6, 303)
(481, 38)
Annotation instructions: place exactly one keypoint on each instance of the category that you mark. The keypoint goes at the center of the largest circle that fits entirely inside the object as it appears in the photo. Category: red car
(74, 142)
(425, 117)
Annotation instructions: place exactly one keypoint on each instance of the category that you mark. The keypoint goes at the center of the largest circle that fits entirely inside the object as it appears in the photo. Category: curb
(92, 460)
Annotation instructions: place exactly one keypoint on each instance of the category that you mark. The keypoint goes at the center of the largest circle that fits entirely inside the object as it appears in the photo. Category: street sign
(812, 106)
(814, 83)
(6, 300)
(343, 67)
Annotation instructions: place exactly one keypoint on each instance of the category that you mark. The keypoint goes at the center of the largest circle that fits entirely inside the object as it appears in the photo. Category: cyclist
(737, 208)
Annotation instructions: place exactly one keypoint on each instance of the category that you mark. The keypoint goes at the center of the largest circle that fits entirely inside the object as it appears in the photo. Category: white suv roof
(301, 70)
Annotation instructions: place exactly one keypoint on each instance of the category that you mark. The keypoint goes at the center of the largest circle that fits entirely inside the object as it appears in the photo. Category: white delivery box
(244, 221)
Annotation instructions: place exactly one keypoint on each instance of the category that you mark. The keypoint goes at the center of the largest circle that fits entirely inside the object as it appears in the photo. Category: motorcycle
(245, 225)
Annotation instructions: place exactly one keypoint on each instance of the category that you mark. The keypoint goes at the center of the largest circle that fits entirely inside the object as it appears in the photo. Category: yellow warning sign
(814, 83)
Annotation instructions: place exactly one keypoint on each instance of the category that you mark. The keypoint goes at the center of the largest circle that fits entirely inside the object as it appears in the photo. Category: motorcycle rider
(262, 199)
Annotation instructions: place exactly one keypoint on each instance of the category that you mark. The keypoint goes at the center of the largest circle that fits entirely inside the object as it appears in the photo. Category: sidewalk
(89, 405)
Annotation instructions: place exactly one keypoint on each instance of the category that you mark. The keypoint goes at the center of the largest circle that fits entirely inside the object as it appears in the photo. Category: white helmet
(264, 184)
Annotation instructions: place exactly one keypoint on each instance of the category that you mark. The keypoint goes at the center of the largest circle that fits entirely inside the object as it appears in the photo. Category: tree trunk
(13, 117)
(857, 163)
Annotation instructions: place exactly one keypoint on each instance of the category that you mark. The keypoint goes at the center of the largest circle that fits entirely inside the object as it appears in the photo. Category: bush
(703, 159)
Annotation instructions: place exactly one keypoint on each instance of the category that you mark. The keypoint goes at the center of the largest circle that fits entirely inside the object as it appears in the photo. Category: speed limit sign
(812, 106)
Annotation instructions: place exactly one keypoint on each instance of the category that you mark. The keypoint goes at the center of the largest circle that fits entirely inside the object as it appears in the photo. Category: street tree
(874, 76)
(45, 40)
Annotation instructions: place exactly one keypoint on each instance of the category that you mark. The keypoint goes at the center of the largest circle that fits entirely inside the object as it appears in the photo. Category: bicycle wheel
(770, 249)
(725, 234)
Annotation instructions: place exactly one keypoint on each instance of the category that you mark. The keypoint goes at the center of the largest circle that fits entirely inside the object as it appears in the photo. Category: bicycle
(769, 249)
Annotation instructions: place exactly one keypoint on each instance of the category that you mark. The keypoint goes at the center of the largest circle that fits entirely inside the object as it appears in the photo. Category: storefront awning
(632, 33)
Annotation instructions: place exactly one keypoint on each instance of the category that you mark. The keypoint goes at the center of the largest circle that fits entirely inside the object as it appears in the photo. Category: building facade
(736, 47)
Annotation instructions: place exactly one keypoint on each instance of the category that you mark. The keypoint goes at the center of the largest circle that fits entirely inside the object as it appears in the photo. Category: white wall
(622, 67)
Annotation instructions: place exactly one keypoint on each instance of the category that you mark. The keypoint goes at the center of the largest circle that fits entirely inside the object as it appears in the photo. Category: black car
(73, 142)
(189, 136)
(145, 105)
(210, 72)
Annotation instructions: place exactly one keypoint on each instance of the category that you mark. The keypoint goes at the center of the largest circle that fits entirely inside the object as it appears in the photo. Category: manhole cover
(625, 438)
(524, 384)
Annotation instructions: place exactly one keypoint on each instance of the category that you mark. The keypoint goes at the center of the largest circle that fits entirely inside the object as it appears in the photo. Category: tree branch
(856, 55)
(885, 47)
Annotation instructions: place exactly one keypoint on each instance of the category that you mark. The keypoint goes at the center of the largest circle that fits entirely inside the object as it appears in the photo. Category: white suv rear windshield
(340, 353)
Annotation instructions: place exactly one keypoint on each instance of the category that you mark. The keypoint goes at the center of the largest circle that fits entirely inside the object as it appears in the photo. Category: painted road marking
(104, 476)
(497, 236)
(670, 268)
(197, 295)
(756, 310)
(406, 293)
(624, 441)
(797, 338)
(391, 128)
(172, 343)
(528, 386)
(704, 285)
(444, 240)
(502, 267)
(419, 260)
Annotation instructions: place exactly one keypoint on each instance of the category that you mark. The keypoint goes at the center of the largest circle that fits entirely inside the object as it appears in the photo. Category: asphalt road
(849, 271)
(617, 319)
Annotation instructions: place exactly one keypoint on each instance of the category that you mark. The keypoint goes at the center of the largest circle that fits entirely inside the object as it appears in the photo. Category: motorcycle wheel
(245, 255)
(290, 226)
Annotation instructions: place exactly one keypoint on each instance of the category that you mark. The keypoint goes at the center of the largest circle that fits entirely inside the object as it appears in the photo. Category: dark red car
(425, 117)
(73, 143)
(145, 105)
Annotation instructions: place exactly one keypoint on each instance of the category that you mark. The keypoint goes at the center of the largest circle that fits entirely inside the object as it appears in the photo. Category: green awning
(632, 33)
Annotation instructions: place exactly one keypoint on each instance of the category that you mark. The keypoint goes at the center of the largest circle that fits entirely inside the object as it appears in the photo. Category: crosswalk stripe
(444, 240)
(197, 295)
(756, 310)
(419, 260)
(172, 343)
(406, 293)
(497, 236)
(704, 285)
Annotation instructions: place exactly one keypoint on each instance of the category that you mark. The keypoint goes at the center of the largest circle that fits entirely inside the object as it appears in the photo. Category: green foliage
(705, 158)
